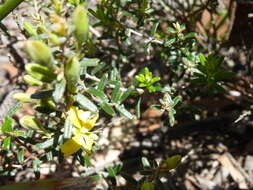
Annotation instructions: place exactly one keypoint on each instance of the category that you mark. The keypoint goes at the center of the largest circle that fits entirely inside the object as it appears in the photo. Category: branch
(94, 78)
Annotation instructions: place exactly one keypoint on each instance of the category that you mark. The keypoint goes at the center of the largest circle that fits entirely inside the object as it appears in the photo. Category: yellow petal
(70, 147)
(73, 117)
(83, 115)
(86, 119)
(85, 140)
(89, 142)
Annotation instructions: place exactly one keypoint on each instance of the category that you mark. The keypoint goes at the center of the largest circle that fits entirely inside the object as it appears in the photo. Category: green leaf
(7, 125)
(50, 142)
(173, 162)
(98, 68)
(67, 129)
(19, 133)
(32, 81)
(169, 42)
(98, 93)
(176, 100)
(49, 156)
(87, 62)
(21, 153)
(202, 59)
(6, 143)
(116, 93)
(36, 165)
(145, 162)
(7, 7)
(102, 83)
(31, 122)
(42, 94)
(118, 168)
(122, 110)
(107, 108)
(13, 109)
(59, 90)
(114, 74)
(111, 172)
(85, 103)
(45, 144)
(127, 93)
(154, 28)
(190, 35)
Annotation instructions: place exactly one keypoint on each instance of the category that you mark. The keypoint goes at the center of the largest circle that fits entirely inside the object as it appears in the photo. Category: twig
(131, 31)
(94, 78)
(148, 40)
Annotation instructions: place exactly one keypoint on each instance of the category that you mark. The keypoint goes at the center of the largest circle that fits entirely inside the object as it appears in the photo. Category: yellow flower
(83, 122)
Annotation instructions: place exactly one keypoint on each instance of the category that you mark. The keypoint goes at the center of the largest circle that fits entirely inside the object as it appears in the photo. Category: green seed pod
(23, 97)
(31, 122)
(81, 24)
(32, 81)
(40, 73)
(28, 27)
(72, 74)
(39, 52)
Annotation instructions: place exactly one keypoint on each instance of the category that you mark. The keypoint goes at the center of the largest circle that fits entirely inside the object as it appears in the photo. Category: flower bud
(72, 74)
(81, 24)
(39, 52)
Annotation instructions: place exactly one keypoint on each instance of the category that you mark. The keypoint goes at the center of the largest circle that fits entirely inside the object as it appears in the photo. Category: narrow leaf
(42, 94)
(59, 90)
(102, 83)
(116, 93)
(154, 28)
(7, 125)
(21, 153)
(86, 103)
(145, 162)
(67, 129)
(111, 172)
(107, 108)
(173, 162)
(127, 93)
(122, 110)
(98, 68)
(87, 62)
(6, 143)
(98, 93)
